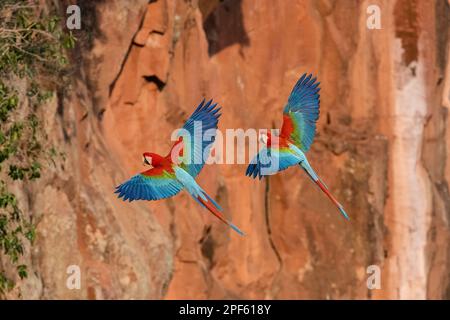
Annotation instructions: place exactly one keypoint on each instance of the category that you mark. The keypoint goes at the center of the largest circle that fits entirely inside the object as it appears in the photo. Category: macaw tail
(315, 178)
(214, 208)
(201, 196)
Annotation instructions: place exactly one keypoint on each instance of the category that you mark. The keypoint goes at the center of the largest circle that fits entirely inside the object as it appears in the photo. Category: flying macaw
(170, 174)
(288, 148)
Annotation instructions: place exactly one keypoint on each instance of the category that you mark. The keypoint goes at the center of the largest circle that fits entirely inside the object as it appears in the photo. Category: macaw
(170, 174)
(288, 148)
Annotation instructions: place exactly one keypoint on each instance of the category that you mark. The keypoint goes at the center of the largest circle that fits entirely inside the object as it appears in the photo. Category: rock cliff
(382, 148)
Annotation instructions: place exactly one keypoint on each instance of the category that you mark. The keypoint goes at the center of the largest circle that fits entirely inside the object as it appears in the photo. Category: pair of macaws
(169, 175)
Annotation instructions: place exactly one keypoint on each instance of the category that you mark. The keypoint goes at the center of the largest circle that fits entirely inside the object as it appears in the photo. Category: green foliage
(33, 64)
(6, 284)
(31, 42)
(8, 102)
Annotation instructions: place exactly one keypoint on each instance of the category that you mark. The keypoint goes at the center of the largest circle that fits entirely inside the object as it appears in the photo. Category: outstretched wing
(153, 184)
(271, 160)
(301, 113)
(196, 138)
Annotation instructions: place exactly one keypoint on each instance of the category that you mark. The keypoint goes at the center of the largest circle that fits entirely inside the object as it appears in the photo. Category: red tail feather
(325, 190)
(333, 199)
(210, 206)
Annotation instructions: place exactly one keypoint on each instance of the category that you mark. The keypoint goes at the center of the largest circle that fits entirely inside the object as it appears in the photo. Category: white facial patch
(263, 138)
(148, 160)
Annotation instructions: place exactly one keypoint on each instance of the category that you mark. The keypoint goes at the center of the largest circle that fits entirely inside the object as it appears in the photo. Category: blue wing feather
(269, 161)
(303, 110)
(207, 115)
(143, 187)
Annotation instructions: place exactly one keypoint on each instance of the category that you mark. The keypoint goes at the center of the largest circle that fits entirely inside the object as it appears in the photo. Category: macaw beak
(146, 162)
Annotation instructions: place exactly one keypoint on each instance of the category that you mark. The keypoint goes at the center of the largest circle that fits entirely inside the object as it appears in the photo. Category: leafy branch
(33, 64)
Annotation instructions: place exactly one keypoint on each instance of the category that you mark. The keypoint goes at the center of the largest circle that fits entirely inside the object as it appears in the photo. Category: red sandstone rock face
(381, 147)
(248, 55)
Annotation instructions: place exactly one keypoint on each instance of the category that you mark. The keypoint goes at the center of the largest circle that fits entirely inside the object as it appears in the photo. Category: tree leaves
(33, 64)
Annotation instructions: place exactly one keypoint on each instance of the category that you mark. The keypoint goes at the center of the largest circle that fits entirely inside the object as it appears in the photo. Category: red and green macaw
(170, 174)
(295, 138)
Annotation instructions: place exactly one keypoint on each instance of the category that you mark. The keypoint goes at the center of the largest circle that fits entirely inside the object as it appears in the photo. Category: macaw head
(266, 138)
(151, 159)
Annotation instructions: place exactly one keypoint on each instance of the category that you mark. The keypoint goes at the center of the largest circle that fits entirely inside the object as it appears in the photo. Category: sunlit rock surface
(381, 147)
